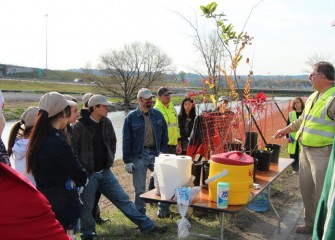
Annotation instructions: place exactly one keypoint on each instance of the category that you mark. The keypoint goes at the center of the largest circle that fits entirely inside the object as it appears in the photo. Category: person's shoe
(157, 229)
(303, 229)
(163, 214)
(100, 220)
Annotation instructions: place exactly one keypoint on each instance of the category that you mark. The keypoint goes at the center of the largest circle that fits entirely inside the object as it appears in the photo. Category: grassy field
(39, 86)
(14, 109)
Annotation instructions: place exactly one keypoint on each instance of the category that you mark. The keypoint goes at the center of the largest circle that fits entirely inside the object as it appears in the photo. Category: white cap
(144, 93)
(98, 100)
(53, 103)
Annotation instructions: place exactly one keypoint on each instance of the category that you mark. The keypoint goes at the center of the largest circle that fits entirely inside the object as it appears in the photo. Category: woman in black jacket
(57, 171)
(186, 118)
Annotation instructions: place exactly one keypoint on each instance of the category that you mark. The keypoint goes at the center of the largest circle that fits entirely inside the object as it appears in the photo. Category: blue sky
(286, 32)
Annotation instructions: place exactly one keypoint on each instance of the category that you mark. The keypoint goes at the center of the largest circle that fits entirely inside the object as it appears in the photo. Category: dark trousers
(295, 156)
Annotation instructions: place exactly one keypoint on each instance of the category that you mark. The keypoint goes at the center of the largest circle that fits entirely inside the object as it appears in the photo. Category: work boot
(303, 229)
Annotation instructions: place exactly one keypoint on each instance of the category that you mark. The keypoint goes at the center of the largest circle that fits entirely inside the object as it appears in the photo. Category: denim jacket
(134, 130)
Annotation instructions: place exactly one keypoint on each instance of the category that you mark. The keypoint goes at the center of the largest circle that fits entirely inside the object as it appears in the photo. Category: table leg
(221, 225)
(274, 209)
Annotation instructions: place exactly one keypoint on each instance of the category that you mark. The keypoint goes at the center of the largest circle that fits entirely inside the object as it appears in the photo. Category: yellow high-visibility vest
(292, 116)
(317, 129)
(171, 119)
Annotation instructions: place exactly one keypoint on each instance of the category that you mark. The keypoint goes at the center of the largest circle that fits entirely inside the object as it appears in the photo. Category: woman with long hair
(52, 162)
(293, 147)
(186, 118)
(18, 141)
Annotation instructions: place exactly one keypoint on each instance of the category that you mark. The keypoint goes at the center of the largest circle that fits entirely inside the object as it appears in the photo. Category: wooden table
(202, 201)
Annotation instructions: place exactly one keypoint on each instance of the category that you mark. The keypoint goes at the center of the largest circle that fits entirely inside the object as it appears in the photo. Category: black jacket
(83, 137)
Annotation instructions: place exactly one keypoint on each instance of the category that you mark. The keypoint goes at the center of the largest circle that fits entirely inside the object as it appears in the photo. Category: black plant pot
(275, 152)
(264, 159)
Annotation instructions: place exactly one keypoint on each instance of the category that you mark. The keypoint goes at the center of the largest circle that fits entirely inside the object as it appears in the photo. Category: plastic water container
(240, 177)
(260, 203)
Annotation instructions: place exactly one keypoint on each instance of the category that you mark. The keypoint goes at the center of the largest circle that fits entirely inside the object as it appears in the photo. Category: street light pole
(46, 41)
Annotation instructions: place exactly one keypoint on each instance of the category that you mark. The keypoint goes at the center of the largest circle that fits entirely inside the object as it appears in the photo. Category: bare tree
(318, 57)
(135, 66)
(212, 53)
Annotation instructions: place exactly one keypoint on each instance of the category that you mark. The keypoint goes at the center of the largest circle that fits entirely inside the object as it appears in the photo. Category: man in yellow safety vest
(315, 132)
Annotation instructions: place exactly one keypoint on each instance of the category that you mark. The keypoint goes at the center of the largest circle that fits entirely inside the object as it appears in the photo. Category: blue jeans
(142, 164)
(109, 186)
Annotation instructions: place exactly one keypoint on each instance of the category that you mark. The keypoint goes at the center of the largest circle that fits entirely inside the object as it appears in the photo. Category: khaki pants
(313, 165)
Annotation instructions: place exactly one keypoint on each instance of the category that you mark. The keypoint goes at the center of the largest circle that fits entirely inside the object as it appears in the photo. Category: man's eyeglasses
(314, 74)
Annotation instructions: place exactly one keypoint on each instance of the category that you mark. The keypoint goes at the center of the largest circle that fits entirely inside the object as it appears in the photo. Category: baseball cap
(223, 98)
(162, 90)
(53, 103)
(144, 93)
(28, 117)
(98, 99)
(86, 97)
(72, 101)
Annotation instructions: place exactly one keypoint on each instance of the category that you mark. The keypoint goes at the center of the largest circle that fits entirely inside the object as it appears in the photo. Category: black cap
(162, 90)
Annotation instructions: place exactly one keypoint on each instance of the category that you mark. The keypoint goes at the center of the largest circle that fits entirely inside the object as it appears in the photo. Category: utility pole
(46, 41)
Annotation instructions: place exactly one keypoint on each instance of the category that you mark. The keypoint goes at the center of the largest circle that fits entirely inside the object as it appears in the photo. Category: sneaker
(303, 229)
(163, 214)
(157, 229)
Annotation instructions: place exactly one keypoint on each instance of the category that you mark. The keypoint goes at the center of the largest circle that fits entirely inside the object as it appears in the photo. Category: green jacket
(324, 224)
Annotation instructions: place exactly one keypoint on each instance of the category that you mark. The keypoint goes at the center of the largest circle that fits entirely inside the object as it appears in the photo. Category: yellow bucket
(240, 168)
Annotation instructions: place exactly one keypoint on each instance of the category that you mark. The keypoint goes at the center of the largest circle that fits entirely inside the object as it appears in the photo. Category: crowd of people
(63, 159)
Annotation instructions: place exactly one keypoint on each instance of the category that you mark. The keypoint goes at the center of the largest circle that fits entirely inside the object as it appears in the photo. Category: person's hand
(280, 133)
(129, 167)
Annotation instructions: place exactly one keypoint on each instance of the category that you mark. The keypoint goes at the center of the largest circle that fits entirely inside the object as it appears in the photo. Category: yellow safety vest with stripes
(317, 129)
(292, 116)
(171, 119)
